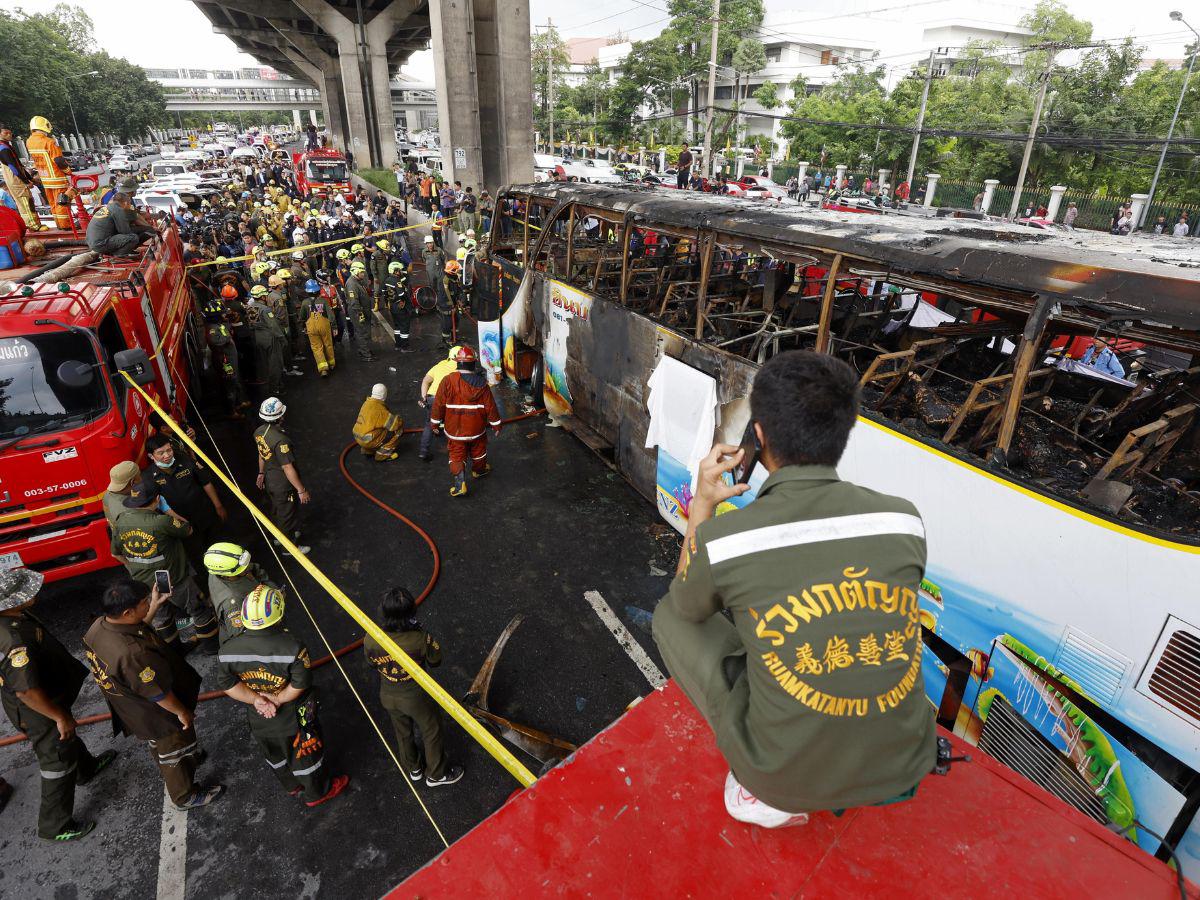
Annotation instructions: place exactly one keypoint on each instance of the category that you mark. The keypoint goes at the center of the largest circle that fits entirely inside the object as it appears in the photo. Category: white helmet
(379, 392)
(272, 410)
(297, 254)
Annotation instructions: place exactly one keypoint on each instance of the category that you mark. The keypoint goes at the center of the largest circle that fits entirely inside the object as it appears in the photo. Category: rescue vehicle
(67, 414)
(321, 172)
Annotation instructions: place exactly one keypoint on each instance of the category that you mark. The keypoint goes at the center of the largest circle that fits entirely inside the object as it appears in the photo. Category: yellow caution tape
(482, 736)
(291, 250)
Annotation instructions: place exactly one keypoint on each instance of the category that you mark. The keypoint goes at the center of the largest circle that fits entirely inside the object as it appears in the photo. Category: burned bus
(1060, 488)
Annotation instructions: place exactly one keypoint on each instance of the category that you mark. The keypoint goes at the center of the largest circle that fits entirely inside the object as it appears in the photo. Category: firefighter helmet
(285, 274)
(297, 254)
(272, 410)
(259, 290)
(262, 608)
(395, 266)
(226, 559)
(275, 281)
(229, 292)
(322, 276)
(452, 267)
(40, 123)
(343, 254)
(357, 266)
(465, 355)
(311, 286)
(461, 254)
(383, 245)
(357, 248)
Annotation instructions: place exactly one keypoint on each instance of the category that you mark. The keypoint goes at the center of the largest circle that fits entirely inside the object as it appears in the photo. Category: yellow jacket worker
(377, 430)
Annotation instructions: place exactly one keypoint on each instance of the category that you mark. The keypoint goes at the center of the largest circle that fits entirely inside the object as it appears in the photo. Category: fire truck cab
(321, 172)
(67, 414)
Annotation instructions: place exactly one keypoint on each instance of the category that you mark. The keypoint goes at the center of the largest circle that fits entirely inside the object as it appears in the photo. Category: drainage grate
(1013, 741)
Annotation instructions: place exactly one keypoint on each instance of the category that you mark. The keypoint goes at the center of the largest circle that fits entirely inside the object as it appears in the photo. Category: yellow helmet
(40, 123)
(259, 290)
(226, 559)
(262, 608)
(274, 281)
(357, 248)
(285, 273)
(383, 245)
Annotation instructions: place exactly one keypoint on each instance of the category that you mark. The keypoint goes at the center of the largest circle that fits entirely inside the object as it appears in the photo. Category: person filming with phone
(792, 623)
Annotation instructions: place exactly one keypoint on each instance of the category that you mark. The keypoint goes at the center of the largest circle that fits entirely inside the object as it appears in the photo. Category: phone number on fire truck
(55, 488)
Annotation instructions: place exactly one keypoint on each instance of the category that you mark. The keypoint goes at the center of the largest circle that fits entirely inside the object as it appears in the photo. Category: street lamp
(1176, 16)
(71, 105)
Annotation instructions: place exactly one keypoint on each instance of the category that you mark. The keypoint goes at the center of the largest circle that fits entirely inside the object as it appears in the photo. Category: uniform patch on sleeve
(304, 658)
(284, 448)
(19, 657)
(147, 675)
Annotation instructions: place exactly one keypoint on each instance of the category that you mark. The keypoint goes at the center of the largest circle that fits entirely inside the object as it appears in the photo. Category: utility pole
(912, 158)
(712, 89)
(550, 78)
(1033, 127)
(1162, 157)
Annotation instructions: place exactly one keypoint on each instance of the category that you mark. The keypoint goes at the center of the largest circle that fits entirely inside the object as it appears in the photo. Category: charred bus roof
(1151, 280)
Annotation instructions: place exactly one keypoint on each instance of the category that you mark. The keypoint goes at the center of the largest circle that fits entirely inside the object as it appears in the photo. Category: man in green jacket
(814, 685)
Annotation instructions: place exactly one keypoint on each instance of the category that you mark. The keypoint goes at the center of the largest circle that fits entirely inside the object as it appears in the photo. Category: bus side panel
(997, 553)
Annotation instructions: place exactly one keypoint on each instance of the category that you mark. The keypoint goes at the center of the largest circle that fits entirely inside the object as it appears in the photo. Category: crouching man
(814, 689)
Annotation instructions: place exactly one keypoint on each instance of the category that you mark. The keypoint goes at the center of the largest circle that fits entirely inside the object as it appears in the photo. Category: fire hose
(351, 647)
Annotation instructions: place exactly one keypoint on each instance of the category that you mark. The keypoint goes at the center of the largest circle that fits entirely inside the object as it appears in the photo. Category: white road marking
(627, 641)
(172, 852)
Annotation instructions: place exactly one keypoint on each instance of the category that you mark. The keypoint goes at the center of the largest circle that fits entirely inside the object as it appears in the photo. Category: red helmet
(229, 292)
(464, 355)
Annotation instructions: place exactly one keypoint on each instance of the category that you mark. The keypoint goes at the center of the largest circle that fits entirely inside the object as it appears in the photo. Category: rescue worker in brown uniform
(185, 485)
(277, 472)
(39, 681)
(268, 669)
(377, 430)
(358, 302)
(147, 540)
(465, 408)
(405, 701)
(149, 688)
(269, 340)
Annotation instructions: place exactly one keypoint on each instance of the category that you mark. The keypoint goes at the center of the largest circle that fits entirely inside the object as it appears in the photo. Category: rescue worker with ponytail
(464, 409)
(405, 701)
(267, 668)
(53, 171)
(317, 318)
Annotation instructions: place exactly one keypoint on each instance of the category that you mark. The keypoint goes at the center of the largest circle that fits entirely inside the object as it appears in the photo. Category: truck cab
(67, 414)
(321, 172)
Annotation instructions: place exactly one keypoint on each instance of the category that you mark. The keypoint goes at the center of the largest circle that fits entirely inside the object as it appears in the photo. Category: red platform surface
(638, 812)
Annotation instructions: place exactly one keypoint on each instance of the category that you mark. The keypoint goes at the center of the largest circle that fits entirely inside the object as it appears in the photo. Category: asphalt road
(549, 524)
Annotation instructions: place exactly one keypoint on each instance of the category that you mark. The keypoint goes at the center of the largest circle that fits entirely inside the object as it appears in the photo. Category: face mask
(165, 465)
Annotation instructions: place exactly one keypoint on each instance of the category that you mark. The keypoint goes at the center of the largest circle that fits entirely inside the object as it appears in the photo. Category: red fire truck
(321, 172)
(67, 415)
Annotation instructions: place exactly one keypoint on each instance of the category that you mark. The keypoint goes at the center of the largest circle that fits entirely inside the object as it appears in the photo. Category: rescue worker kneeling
(268, 669)
(377, 430)
(464, 407)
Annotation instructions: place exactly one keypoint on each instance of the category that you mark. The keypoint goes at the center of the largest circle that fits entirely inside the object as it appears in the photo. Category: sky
(170, 33)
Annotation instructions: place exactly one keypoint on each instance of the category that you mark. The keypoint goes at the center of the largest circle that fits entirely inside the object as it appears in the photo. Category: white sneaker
(745, 807)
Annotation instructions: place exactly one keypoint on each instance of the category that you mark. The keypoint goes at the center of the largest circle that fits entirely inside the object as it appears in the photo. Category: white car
(119, 162)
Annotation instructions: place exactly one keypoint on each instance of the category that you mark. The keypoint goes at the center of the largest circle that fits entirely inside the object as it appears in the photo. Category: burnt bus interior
(956, 328)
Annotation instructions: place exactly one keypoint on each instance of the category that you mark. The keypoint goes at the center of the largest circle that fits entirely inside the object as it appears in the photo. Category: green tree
(548, 51)
(767, 95)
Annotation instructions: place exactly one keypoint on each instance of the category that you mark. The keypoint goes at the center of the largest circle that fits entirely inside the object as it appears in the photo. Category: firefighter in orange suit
(464, 407)
(52, 167)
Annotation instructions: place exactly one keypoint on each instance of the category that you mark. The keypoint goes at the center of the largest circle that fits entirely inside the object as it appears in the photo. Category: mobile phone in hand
(162, 581)
(750, 451)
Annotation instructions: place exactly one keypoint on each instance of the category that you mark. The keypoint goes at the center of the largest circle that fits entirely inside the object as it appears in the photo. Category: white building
(948, 39)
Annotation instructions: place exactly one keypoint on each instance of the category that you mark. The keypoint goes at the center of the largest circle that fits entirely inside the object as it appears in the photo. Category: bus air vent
(1172, 676)
(1099, 669)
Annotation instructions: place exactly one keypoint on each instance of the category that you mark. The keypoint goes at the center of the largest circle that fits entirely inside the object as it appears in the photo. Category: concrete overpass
(349, 49)
(213, 90)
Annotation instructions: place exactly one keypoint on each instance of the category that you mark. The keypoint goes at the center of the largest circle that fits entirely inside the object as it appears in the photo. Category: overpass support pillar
(362, 59)
(482, 73)
(322, 69)
(296, 119)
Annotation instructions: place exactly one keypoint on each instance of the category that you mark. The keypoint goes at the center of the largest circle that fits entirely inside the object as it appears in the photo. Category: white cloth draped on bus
(683, 412)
